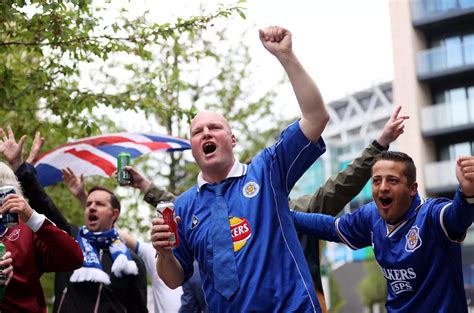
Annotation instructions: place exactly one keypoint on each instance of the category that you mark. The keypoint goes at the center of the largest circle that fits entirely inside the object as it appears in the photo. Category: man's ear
(413, 189)
(115, 214)
(234, 141)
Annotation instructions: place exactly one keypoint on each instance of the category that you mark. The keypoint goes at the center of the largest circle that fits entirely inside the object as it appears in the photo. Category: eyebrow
(211, 124)
(386, 176)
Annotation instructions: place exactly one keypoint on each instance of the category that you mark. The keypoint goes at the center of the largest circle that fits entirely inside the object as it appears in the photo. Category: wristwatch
(149, 196)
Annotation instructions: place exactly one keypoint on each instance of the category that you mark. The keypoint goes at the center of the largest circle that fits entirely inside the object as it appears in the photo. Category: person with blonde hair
(36, 246)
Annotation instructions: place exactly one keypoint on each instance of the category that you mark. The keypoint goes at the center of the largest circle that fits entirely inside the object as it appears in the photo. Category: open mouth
(386, 202)
(209, 148)
(92, 218)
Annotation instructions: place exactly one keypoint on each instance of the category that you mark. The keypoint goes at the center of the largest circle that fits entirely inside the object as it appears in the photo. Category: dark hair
(114, 201)
(396, 156)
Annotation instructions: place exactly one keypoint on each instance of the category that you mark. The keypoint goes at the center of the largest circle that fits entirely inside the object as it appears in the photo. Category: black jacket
(125, 294)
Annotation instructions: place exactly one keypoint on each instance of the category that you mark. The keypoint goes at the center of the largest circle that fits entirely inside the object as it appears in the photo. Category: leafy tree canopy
(45, 44)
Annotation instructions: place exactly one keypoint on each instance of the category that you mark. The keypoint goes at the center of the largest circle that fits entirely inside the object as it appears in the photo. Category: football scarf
(91, 270)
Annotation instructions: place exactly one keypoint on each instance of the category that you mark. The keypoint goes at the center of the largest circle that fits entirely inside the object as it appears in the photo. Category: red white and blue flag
(98, 155)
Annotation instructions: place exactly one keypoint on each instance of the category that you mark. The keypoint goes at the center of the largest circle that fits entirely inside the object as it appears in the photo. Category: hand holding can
(123, 176)
(165, 210)
(7, 219)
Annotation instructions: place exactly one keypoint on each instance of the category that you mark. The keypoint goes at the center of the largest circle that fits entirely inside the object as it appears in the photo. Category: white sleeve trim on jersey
(441, 220)
(35, 221)
(341, 236)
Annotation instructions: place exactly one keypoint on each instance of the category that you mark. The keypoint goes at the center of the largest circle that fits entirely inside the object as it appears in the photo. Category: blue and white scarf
(91, 269)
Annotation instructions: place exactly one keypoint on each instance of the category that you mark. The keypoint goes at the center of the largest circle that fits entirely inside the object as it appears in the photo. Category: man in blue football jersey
(416, 241)
(264, 268)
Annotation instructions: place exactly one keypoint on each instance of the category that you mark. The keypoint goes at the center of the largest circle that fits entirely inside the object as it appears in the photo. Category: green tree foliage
(44, 45)
(373, 288)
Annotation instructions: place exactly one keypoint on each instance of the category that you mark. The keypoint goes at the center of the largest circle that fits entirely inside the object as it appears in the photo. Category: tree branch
(200, 22)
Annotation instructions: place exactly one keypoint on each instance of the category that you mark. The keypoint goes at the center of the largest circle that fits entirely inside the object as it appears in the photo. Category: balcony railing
(444, 116)
(441, 59)
(440, 175)
(431, 9)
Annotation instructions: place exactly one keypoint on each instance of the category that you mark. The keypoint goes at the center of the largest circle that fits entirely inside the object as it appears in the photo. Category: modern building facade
(355, 121)
(433, 49)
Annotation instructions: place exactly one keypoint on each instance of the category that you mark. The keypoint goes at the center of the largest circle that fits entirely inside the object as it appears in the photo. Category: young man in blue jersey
(416, 241)
(256, 263)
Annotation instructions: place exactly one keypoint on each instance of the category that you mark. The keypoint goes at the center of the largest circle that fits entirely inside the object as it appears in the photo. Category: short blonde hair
(8, 178)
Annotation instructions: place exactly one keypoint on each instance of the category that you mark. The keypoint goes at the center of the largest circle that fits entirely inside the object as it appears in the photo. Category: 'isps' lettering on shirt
(399, 279)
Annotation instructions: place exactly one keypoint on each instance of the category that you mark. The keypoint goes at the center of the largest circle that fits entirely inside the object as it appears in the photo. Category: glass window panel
(436, 43)
(447, 4)
(470, 92)
(458, 108)
(436, 59)
(430, 6)
(444, 153)
(453, 52)
(466, 3)
(470, 104)
(463, 148)
(440, 97)
(468, 48)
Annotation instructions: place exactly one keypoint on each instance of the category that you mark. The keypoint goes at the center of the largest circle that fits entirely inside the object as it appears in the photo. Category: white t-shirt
(166, 300)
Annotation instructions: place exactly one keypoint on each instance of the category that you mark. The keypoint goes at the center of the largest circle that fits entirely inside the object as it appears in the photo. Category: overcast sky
(344, 44)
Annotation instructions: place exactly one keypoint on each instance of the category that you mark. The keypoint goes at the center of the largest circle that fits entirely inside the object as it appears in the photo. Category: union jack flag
(98, 155)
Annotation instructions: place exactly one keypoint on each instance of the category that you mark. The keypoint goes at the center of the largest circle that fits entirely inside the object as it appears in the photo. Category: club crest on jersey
(250, 189)
(194, 222)
(413, 239)
(241, 232)
(14, 235)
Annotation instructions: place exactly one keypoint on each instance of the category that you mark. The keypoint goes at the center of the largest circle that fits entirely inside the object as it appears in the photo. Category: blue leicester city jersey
(271, 267)
(421, 263)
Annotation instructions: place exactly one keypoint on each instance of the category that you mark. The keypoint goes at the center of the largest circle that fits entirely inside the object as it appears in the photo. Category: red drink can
(165, 211)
